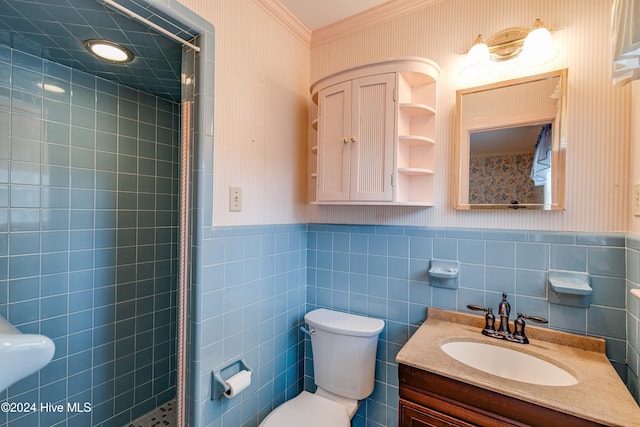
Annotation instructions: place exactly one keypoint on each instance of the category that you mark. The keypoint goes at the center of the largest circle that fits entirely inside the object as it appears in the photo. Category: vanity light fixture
(109, 51)
(532, 47)
(538, 46)
(477, 60)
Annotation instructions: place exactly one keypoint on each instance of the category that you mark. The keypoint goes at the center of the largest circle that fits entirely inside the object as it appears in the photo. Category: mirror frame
(463, 130)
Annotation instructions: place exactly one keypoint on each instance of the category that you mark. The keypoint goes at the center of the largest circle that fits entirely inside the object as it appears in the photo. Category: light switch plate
(235, 199)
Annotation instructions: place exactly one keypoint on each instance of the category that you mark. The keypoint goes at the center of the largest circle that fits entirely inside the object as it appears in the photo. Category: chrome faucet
(504, 331)
(504, 309)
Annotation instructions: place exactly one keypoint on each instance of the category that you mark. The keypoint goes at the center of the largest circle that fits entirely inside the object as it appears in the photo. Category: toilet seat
(308, 410)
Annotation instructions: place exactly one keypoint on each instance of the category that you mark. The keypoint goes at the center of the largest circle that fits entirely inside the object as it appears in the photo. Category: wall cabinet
(355, 140)
(375, 134)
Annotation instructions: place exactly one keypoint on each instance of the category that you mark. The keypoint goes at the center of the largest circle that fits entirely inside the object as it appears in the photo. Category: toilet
(344, 358)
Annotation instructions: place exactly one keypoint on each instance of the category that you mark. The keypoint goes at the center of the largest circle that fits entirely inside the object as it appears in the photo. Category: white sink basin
(21, 354)
(508, 363)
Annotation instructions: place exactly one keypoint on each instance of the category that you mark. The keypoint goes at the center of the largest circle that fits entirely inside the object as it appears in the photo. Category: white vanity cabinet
(375, 134)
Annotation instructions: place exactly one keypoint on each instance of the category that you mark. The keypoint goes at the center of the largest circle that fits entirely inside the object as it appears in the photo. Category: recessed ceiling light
(109, 51)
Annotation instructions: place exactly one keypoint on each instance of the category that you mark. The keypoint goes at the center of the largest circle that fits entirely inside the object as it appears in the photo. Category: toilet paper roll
(237, 383)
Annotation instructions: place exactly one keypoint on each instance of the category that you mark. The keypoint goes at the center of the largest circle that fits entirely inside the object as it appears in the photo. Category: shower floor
(163, 416)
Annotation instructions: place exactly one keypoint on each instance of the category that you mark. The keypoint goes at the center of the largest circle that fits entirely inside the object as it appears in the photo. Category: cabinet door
(416, 416)
(372, 138)
(334, 125)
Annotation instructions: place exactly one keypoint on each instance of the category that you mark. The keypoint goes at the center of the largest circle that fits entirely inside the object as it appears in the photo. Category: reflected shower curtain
(541, 169)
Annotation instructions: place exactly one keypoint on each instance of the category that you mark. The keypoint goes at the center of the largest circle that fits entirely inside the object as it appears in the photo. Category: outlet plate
(635, 200)
(235, 199)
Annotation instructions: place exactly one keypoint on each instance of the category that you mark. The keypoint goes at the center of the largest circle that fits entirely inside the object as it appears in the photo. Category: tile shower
(88, 229)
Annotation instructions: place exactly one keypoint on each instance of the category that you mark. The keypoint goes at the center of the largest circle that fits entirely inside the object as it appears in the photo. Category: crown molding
(287, 19)
(367, 18)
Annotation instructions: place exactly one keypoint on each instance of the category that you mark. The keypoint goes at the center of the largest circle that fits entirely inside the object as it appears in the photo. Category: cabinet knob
(345, 140)
(353, 139)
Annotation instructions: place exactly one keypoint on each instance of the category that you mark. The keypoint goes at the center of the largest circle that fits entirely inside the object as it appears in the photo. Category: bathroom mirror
(510, 144)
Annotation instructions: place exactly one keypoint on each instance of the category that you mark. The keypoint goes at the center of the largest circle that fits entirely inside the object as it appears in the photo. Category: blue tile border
(252, 230)
(633, 241)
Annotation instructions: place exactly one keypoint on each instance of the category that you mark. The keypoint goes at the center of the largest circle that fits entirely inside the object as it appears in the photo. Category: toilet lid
(308, 410)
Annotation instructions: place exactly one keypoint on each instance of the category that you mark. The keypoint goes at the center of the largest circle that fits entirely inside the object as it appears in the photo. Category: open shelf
(416, 140)
(415, 171)
(361, 203)
(414, 110)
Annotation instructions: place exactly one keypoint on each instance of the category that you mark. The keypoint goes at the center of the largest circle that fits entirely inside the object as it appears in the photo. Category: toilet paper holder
(218, 377)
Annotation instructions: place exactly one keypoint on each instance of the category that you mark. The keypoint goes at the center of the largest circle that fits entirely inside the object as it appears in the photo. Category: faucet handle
(489, 319)
(518, 326)
(518, 330)
(536, 319)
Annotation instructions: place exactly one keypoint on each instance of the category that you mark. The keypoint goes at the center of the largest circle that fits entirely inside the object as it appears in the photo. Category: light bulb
(538, 47)
(479, 52)
(109, 51)
(477, 64)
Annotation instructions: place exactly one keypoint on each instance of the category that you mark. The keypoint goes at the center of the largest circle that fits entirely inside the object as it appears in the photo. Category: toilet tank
(344, 351)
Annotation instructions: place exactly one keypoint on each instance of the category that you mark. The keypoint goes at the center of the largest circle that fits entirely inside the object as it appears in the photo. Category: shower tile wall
(381, 271)
(88, 213)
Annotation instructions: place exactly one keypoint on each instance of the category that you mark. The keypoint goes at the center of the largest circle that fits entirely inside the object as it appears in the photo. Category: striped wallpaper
(634, 173)
(260, 125)
(598, 136)
(263, 72)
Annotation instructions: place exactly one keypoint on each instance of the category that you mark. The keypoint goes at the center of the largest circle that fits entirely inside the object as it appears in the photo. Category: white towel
(625, 37)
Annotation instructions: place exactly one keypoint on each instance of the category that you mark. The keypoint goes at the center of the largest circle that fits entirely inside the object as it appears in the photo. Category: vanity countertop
(599, 396)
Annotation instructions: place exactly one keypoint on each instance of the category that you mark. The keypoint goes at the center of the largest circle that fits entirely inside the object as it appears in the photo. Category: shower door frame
(196, 204)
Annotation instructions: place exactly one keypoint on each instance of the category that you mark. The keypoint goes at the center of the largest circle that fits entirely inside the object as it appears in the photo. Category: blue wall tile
(255, 313)
(445, 249)
(607, 261)
(532, 256)
(500, 279)
(531, 283)
(397, 288)
(632, 347)
(572, 258)
(500, 253)
(63, 225)
(471, 251)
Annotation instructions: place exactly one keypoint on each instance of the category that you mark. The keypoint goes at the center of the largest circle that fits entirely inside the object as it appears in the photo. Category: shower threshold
(163, 416)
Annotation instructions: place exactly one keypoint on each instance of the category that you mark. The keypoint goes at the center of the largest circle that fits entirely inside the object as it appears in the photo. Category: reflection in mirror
(511, 144)
(502, 168)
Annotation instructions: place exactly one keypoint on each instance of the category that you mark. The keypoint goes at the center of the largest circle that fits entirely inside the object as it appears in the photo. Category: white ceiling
(320, 13)
(521, 139)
